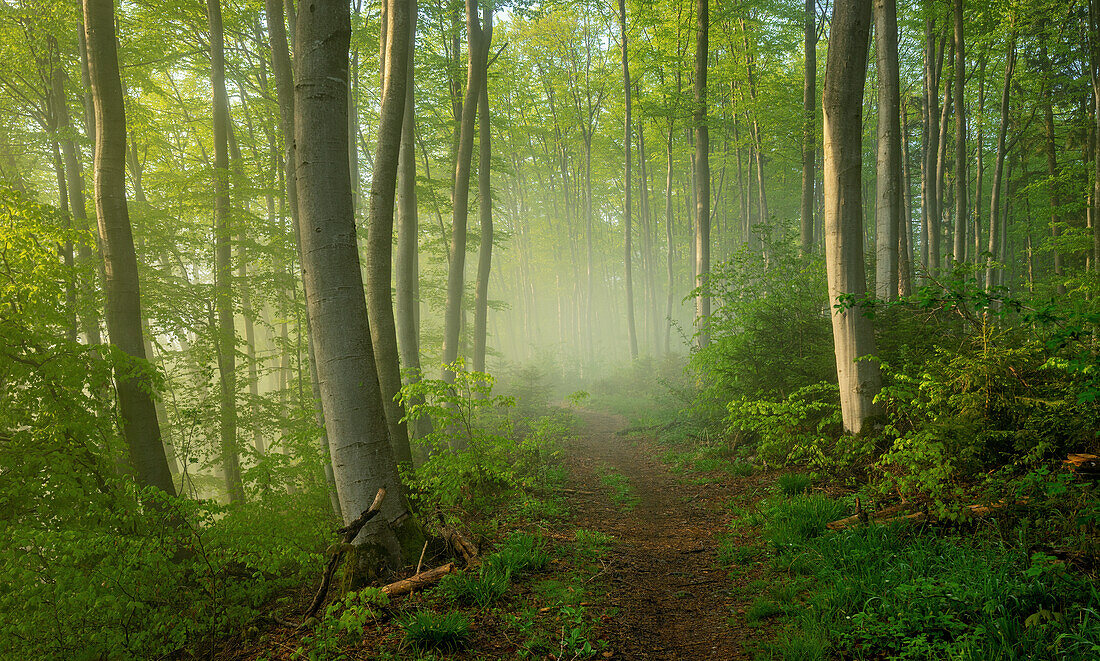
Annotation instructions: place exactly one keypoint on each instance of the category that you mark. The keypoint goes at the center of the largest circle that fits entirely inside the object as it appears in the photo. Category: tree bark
(842, 104)
(223, 268)
(702, 173)
(475, 79)
(362, 456)
(485, 213)
(961, 214)
(1051, 150)
(888, 164)
(809, 128)
(138, 415)
(628, 249)
(380, 206)
(998, 165)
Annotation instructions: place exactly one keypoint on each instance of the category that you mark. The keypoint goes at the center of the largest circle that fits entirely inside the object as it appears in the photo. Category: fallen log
(347, 535)
(865, 517)
(421, 580)
(1085, 465)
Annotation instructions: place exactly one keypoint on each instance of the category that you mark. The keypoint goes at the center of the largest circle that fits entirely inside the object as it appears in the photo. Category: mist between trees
(233, 231)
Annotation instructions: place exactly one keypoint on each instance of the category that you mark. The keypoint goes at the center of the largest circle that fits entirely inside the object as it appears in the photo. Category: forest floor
(657, 590)
(673, 598)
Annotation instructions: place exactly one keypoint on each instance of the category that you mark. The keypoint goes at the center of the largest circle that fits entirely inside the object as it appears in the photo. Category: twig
(420, 562)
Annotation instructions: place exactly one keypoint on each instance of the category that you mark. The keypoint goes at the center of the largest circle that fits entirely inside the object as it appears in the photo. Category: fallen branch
(347, 535)
(418, 581)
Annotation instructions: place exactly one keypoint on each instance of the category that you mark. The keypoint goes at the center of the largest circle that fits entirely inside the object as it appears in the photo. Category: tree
(394, 77)
(138, 416)
(485, 213)
(809, 128)
(628, 248)
(460, 197)
(842, 105)
(702, 173)
(362, 457)
(888, 183)
(223, 267)
(961, 214)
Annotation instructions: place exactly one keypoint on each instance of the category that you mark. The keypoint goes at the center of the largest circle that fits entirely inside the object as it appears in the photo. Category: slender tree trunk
(930, 214)
(485, 212)
(223, 290)
(998, 166)
(842, 102)
(888, 166)
(809, 129)
(475, 79)
(669, 269)
(407, 257)
(628, 250)
(1051, 150)
(1094, 42)
(961, 214)
(979, 170)
(905, 231)
(394, 77)
(702, 173)
(362, 456)
(138, 415)
(941, 169)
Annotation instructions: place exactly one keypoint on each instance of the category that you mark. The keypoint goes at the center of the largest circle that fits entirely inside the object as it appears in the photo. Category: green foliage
(481, 587)
(770, 331)
(342, 625)
(477, 454)
(426, 629)
(800, 428)
(523, 551)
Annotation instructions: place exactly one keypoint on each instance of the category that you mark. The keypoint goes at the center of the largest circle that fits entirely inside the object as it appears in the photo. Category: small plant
(592, 544)
(790, 484)
(482, 588)
(426, 629)
(522, 551)
(803, 517)
(622, 492)
(762, 609)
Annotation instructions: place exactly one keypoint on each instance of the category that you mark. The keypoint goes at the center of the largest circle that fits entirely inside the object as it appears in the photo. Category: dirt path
(674, 601)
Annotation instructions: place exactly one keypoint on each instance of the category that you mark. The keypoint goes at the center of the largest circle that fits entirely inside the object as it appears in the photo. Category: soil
(674, 601)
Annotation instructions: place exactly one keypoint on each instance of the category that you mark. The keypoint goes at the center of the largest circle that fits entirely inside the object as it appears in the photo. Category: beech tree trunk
(362, 457)
(999, 163)
(628, 249)
(394, 62)
(485, 213)
(702, 173)
(138, 415)
(888, 164)
(809, 129)
(475, 79)
(961, 214)
(842, 104)
(407, 257)
(1051, 149)
(223, 268)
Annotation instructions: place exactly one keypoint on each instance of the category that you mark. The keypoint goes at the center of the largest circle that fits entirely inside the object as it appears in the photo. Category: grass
(622, 492)
(426, 629)
(790, 484)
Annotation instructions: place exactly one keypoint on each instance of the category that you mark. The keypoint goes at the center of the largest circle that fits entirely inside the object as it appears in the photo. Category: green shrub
(800, 428)
(481, 587)
(790, 484)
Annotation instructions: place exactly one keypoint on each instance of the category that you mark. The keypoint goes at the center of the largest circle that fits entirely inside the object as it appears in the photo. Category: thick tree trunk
(1094, 43)
(223, 268)
(809, 128)
(284, 86)
(961, 215)
(362, 456)
(628, 250)
(138, 414)
(702, 173)
(842, 103)
(888, 164)
(998, 165)
(475, 79)
(485, 213)
(394, 76)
